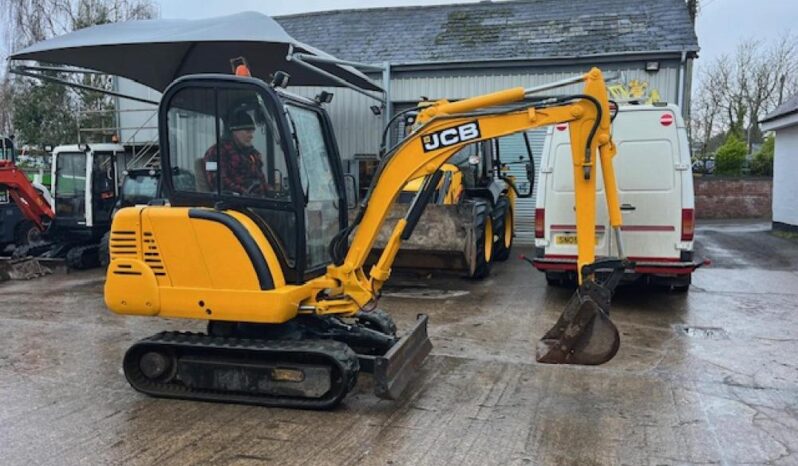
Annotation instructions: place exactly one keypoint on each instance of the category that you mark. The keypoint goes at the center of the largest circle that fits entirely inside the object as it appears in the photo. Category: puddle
(424, 293)
(707, 333)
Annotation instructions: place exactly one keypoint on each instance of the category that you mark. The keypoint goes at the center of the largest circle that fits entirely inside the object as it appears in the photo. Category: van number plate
(565, 239)
(571, 239)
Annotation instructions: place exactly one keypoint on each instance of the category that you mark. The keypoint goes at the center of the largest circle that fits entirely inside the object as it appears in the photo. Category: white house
(784, 121)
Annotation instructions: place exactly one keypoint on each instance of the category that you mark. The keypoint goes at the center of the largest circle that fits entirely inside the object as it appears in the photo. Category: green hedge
(730, 158)
(763, 160)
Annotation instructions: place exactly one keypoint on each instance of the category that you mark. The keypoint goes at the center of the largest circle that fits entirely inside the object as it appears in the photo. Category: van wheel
(552, 280)
(483, 235)
(503, 231)
(681, 284)
(104, 251)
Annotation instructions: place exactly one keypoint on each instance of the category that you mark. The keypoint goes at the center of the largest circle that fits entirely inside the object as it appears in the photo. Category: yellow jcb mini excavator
(269, 260)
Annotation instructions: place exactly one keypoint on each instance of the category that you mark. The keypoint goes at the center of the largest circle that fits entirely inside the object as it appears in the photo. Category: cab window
(227, 141)
(322, 204)
(236, 152)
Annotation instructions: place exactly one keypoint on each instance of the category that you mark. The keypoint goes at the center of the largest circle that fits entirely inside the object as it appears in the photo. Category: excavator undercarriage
(310, 362)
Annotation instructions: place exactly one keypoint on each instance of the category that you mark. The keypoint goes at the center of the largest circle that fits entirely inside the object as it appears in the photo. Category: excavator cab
(84, 187)
(262, 152)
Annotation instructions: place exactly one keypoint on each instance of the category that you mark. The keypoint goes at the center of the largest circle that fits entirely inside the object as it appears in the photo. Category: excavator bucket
(584, 333)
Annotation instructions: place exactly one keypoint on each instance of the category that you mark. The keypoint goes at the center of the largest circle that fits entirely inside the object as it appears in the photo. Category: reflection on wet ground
(709, 376)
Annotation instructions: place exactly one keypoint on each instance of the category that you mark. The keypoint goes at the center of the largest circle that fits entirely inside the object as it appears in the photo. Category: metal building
(457, 51)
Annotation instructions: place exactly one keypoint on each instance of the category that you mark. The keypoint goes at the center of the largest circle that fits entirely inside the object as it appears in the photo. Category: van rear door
(649, 183)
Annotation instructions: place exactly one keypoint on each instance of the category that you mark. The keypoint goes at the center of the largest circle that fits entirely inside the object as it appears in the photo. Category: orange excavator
(30, 202)
(32, 205)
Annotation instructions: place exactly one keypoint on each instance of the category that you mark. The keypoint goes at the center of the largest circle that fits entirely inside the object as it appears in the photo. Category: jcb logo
(450, 136)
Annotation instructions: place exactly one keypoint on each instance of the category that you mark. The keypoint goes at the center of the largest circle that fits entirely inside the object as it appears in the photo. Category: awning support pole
(298, 59)
(23, 71)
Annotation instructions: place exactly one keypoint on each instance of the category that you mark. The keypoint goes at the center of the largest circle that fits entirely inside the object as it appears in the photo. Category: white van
(655, 182)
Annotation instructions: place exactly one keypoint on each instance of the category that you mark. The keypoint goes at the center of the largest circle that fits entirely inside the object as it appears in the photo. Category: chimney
(692, 9)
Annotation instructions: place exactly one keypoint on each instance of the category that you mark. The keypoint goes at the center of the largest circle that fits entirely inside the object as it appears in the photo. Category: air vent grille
(123, 244)
(152, 256)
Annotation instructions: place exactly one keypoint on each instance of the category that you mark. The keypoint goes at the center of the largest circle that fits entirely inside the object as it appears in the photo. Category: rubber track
(83, 257)
(345, 361)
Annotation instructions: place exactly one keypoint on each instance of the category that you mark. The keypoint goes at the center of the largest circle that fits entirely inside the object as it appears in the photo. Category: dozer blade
(584, 333)
(397, 368)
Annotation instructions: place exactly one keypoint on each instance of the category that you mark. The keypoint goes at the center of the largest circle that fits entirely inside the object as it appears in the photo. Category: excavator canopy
(157, 52)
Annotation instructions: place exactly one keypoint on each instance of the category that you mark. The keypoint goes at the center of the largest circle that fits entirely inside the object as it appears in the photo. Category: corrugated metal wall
(138, 121)
(357, 129)
(441, 85)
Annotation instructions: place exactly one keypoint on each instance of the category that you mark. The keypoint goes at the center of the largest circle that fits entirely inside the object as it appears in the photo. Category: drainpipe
(388, 110)
(682, 76)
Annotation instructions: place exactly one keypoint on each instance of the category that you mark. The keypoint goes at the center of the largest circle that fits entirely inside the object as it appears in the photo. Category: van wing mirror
(350, 186)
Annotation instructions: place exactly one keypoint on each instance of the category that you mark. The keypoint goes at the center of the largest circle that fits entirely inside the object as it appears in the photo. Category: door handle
(628, 207)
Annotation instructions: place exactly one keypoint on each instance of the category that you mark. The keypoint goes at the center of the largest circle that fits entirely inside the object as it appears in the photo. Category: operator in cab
(240, 163)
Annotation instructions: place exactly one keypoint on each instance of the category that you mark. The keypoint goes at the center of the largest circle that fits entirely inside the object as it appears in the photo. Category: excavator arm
(441, 130)
(32, 205)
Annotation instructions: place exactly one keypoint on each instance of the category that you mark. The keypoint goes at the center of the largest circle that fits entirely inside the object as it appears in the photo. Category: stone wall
(732, 197)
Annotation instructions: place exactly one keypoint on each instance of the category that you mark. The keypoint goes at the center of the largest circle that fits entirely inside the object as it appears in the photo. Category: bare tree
(708, 115)
(30, 21)
(769, 70)
(736, 92)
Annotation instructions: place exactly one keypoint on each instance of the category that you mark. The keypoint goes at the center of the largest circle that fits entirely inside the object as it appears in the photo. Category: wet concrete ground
(708, 377)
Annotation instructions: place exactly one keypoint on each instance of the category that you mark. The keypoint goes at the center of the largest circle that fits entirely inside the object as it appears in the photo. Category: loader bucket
(440, 240)
(584, 333)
